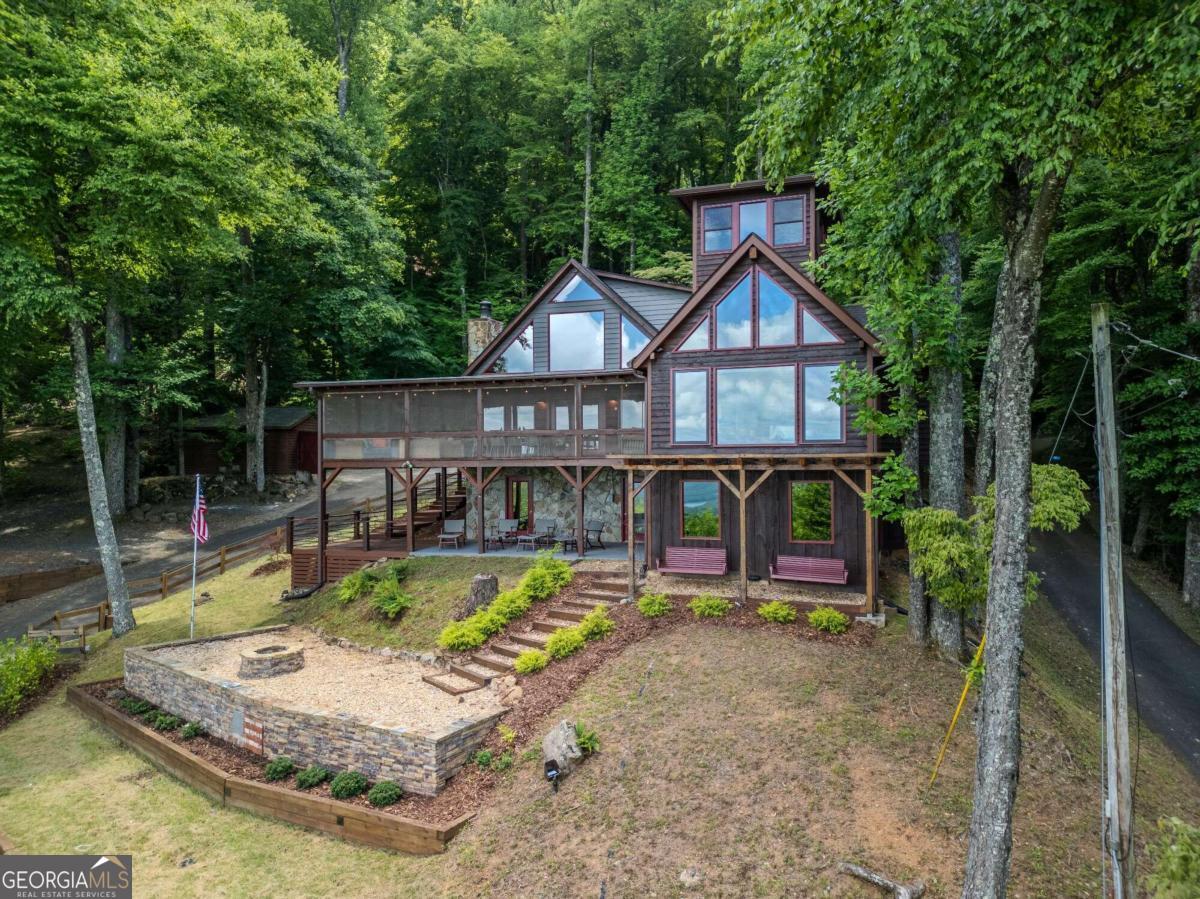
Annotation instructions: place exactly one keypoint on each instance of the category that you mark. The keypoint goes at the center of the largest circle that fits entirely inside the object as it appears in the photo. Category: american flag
(199, 525)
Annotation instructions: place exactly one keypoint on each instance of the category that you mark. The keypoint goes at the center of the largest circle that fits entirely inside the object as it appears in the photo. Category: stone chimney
(481, 331)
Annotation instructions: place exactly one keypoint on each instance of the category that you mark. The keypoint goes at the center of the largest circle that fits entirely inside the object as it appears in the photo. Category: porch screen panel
(363, 448)
(756, 406)
(443, 411)
(364, 413)
(528, 408)
(443, 447)
(529, 446)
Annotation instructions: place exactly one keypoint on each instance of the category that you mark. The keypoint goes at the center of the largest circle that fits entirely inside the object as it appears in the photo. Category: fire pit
(270, 660)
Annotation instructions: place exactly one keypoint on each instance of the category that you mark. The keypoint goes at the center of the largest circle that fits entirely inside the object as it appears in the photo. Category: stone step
(448, 683)
(473, 673)
(536, 639)
(503, 664)
(506, 649)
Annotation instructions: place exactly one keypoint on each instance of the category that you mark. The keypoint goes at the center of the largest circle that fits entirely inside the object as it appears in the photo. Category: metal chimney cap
(485, 308)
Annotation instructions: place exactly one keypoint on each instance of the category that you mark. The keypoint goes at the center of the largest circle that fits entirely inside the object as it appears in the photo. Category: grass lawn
(757, 758)
(440, 583)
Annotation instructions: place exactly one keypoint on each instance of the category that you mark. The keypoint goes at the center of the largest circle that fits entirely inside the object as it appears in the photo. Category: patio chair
(594, 534)
(549, 528)
(454, 533)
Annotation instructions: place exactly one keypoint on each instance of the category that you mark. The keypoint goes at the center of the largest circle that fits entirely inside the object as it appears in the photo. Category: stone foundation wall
(421, 762)
(554, 498)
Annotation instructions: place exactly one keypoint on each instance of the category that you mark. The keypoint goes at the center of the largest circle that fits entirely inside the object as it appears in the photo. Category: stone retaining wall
(421, 762)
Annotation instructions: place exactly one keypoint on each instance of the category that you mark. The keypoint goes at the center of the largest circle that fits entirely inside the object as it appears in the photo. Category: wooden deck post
(743, 568)
(479, 488)
(322, 531)
(290, 535)
(389, 500)
(629, 528)
(872, 554)
(410, 514)
(442, 491)
(580, 528)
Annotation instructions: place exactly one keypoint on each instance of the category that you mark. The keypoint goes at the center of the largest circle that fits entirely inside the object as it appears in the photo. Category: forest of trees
(204, 201)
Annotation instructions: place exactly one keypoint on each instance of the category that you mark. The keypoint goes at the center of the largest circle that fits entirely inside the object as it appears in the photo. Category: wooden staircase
(496, 659)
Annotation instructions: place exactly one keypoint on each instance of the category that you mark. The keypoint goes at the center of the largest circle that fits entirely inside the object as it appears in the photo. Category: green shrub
(151, 716)
(538, 584)
(488, 621)
(587, 739)
(163, 721)
(458, 636)
(24, 665)
(778, 611)
(389, 600)
(503, 761)
(596, 624)
(531, 661)
(397, 569)
(385, 793)
(356, 585)
(654, 605)
(560, 573)
(823, 618)
(708, 606)
(279, 768)
(483, 758)
(563, 642)
(507, 734)
(511, 604)
(1176, 860)
(347, 784)
(312, 776)
(135, 706)
(191, 730)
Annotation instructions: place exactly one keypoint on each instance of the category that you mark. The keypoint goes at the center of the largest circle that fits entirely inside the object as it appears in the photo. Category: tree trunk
(1141, 531)
(918, 599)
(106, 535)
(1191, 540)
(997, 764)
(133, 466)
(343, 64)
(985, 436)
(587, 164)
(115, 343)
(256, 409)
(947, 456)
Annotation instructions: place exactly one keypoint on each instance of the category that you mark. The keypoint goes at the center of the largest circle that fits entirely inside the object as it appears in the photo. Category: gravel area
(336, 680)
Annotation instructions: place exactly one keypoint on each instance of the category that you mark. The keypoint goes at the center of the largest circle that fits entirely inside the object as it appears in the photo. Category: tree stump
(484, 588)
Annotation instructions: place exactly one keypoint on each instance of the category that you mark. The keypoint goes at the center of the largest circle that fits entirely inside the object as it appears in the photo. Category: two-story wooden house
(694, 427)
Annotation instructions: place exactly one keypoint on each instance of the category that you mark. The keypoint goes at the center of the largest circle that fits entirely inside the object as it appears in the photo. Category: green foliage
(347, 784)
(824, 618)
(531, 661)
(356, 585)
(483, 758)
(312, 776)
(279, 768)
(587, 739)
(894, 484)
(1176, 860)
(389, 598)
(164, 721)
(538, 584)
(777, 611)
(654, 605)
(24, 665)
(511, 604)
(459, 636)
(191, 730)
(135, 706)
(556, 569)
(507, 734)
(564, 642)
(385, 792)
(702, 522)
(706, 605)
(596, 624)
(503, 761)
(812, 510)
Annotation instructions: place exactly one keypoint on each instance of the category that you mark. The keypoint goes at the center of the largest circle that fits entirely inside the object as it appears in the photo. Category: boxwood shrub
(706, 605)
(312, 776)
(347, 784)
(279, 768)
(384, 793)
(191, 730)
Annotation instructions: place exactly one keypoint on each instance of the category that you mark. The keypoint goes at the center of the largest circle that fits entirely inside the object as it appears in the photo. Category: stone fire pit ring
(271, 659)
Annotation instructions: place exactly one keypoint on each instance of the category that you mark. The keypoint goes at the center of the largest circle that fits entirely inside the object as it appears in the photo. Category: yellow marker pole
(962, 700)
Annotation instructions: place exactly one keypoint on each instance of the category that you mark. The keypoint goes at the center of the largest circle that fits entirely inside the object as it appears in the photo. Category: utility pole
(1118, 791)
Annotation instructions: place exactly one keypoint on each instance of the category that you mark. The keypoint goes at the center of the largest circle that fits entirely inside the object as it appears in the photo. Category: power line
(1125, 329)
(1071, 405)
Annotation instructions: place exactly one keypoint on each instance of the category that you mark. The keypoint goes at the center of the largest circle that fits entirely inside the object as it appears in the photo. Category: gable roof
(685, 195)
(657, 301)
(571, 266)
(275, 418)
(751, 247)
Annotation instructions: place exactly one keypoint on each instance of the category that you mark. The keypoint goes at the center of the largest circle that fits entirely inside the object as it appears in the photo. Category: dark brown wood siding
(851, 349)
(768, 522)
(703, 265)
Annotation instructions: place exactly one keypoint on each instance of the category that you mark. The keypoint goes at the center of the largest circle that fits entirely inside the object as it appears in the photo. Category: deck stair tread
(569, 613)
(500, 663)
(549, 626)
(584, 605)
(536, 639)
(449, 683)
(472, 672)
(506, 649)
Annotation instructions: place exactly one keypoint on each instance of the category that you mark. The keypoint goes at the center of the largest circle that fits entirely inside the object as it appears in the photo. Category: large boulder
(561, 747)
(484, 588)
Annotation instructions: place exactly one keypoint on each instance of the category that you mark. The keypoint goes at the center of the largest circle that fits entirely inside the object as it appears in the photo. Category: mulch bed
(64, 669)
(542, 694)
(271, 567)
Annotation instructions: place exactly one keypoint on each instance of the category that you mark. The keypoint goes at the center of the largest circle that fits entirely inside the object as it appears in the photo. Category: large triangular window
(517, 357)
(633, 341)
(576, 289)
(815, 332)
(733, 317)
(776, 314)
(698, 339)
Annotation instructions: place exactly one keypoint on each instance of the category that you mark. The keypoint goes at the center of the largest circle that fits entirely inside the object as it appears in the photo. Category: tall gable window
(780, 221)
(689, 406)
(776, 314)
(822, 415)
(577, 289)
(518, 355)
(815, 332)
(733, 317)
(576, 341)
(789, 222)
(718, 229)
(633, 341)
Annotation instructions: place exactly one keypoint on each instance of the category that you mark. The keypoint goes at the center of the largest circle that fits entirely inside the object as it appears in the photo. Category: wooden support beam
(485, 481)
(850, 481)
(580, 529)
(389, 504)
(566, 475)
(728, 483)
(474, 482)
(592, 476)
(645, 481)
(872, 554)
(743, 562)
(410, 514)
(761, 479)
(480, 548)
(329, 480)
(629, 535)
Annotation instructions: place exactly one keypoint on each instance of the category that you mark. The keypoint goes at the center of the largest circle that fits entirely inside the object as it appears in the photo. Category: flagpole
(195, 548)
